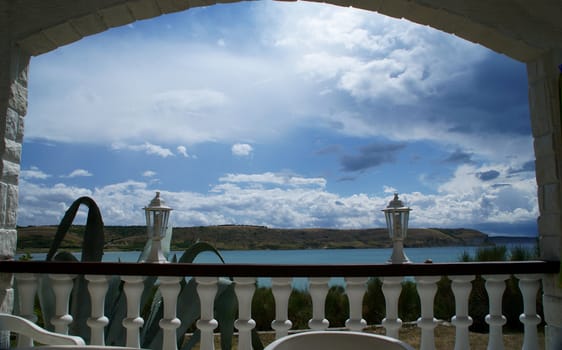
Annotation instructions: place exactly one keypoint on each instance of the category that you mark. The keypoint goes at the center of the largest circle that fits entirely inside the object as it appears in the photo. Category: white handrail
(244, 287)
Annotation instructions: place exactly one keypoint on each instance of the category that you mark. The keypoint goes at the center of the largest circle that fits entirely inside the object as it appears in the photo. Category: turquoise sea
(310, 256)
(307, 256)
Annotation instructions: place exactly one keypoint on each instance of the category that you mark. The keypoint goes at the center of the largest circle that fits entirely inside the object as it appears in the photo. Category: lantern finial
(395, 202)
(157, 202)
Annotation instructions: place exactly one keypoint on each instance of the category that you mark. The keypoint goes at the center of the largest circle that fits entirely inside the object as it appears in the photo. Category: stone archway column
(13, 107)
(544, 102)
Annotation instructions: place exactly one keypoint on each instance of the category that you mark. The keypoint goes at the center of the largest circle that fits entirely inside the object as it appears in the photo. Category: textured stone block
(6, 297)
(168, 6)
(17, 99)
(13, 129)
(37, 44)
(12, 152)
(62, 34)
(541, 123)
(395, 8)
(89, 24)
(544, 145)
(534, 72)
(12, 123)
(11, 206)
(20, 129)
(550, 285)
(116, 16)
(549, 225)
(546, 170)
(549, 199)
(198, 3)
(549, 245)
(10, 172)
(552, 305)
(144, 9)
(8, 241)
(424, 15)
(3, 196)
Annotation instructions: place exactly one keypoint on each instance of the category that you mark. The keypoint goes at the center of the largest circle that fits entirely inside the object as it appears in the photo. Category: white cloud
(389, 189)
(242, 149)
(34, 173)
(278, 200)
(147, 147)
(149, 173)
(182, 150)
(79, 173)
(274, 179)
(188, 102)
(313, 55)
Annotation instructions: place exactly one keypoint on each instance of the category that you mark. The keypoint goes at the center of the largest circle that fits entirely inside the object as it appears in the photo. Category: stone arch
(522, 31)
(527, 31)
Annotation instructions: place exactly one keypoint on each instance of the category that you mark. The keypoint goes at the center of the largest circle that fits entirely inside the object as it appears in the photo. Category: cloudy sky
(280, 114)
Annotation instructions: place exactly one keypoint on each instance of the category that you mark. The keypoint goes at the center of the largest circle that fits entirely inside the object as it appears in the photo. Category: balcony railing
(426, 276)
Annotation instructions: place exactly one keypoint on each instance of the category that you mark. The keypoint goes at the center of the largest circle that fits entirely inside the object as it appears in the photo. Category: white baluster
(495, 286)
(427, 287)
(355, 289)
(529, 286)
(461, 287)
(62, 287)
(391, 288)
(281, 289)
(169, 288)
(207, 289)
(245, 287)
(133, 288)
(318, 291)
(97, 286)
(27, 289)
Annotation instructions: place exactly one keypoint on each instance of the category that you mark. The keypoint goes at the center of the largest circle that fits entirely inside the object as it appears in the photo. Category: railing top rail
(280, 270)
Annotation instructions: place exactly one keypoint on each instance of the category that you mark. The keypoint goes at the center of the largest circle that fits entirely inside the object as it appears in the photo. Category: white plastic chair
(337, 340)
(29, 331)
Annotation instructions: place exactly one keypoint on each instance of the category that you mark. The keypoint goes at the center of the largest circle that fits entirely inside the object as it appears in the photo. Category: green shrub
(263, 308)
(337, 306)
(444, 304)
(409, 302)
(300, 308)
(374, 308)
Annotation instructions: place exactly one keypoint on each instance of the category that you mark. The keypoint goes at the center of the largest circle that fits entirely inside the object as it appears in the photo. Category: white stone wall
(544, 102)
(13, 107)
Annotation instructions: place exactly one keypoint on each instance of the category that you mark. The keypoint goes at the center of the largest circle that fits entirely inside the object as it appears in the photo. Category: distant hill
(243, 237)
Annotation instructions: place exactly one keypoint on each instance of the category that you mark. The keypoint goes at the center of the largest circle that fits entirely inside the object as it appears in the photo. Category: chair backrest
(29, 331)
(337, 340)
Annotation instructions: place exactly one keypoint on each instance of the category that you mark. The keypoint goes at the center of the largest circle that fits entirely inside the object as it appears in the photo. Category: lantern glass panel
(164, 222)
(398, 224)
(157, 223)
(149, 224)
(389, 218)
(404, 223)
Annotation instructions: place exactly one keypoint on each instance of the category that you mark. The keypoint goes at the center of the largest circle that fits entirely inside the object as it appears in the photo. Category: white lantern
(157, 215)
(397, 216)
